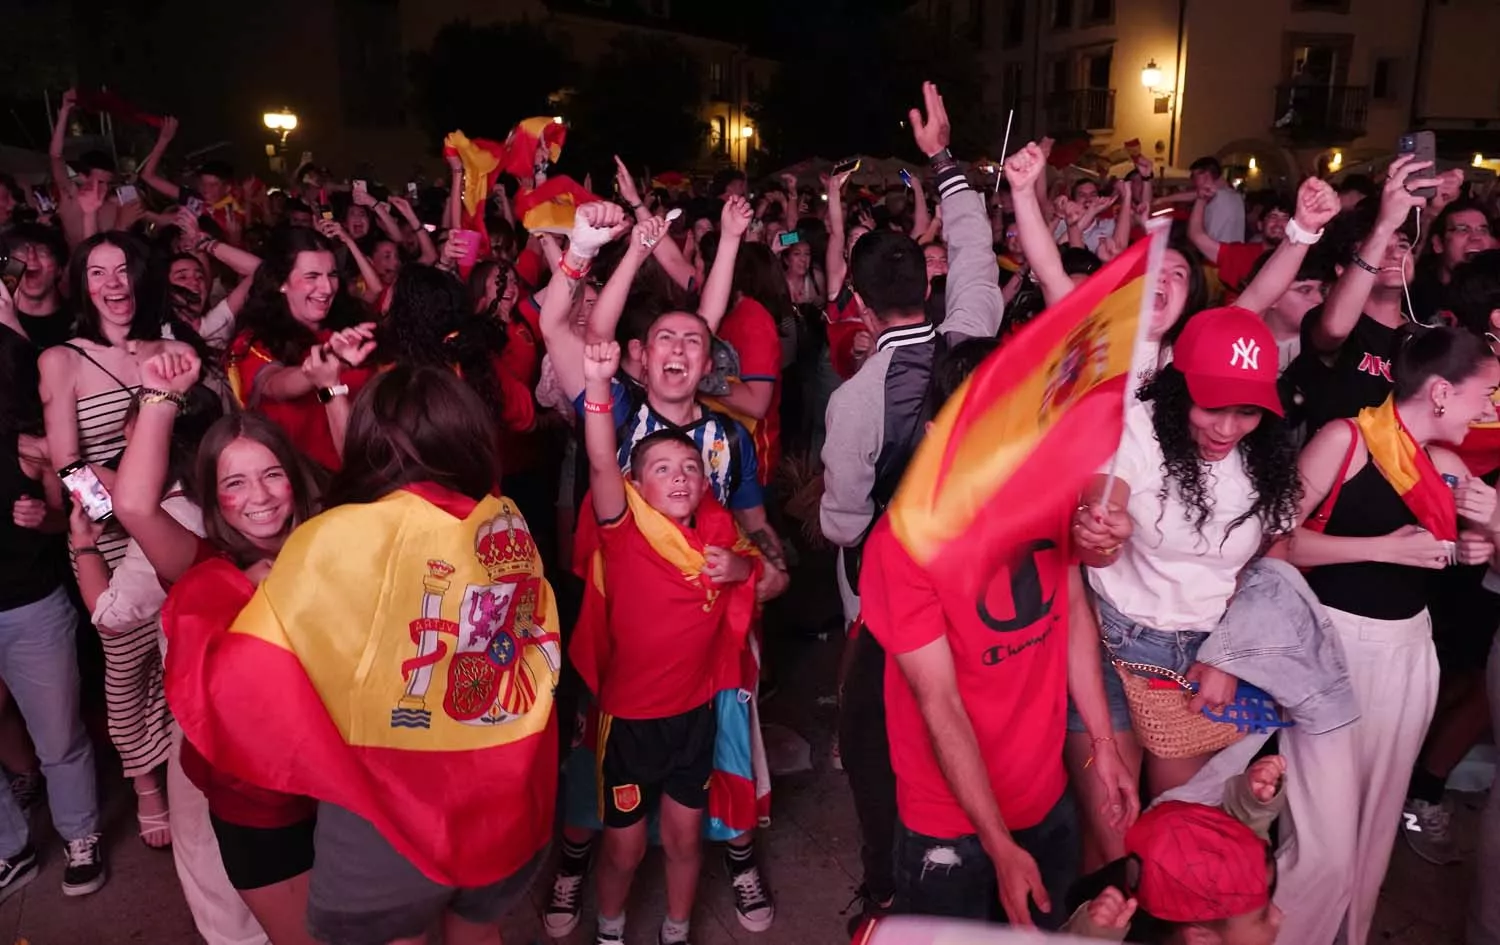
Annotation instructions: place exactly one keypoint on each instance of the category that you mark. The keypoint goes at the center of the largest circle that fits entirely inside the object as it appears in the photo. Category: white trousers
(220, 914)
(1484, 907)
(1345, 789)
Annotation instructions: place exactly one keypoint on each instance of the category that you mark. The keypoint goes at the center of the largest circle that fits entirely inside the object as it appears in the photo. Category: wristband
(326, 394)
(943, 156)
(76, 553)
(150, 395)
(571, 273)
(592, 407)
(1359, 261)
(1301, 236)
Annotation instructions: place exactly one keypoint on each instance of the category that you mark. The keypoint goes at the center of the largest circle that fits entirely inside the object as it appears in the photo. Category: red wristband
(570, 272)
(591, 407)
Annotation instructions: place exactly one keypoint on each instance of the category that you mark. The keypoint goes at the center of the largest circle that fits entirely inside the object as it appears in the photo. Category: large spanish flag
(1026, 430)
(1408, 469)
(400, 662)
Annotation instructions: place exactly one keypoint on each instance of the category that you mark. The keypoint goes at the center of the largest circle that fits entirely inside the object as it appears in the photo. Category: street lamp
(283, 121)
(1151, 76)
(747, 131)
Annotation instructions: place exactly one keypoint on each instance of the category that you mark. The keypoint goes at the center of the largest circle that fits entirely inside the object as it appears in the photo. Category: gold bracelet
(151, 395)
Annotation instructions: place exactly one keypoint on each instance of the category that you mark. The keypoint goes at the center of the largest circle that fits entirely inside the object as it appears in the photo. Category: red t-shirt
(1235, 262)
(751, 329)
(229, 798)
(665, 631)
(303, 419)
(1012, 671)
(844, 325)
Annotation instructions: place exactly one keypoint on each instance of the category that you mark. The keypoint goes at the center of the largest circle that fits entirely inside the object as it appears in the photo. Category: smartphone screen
(790, 238)
(194, 205)
(905, 177)
(126, 194)
(1423, 146)
(82, 482)
(411, 190)
(361, 187)
(43, 201)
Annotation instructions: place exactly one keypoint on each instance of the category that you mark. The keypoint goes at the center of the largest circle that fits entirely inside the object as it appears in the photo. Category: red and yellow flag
(400, 662)
(1409, 470)
(1480, 450)
(1025, 431)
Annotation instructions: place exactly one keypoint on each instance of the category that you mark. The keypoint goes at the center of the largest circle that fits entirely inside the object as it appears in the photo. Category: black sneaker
(28, 789)
(85, 870)
(561, 916)
(751, 901)
(17, 871)
(870, 909)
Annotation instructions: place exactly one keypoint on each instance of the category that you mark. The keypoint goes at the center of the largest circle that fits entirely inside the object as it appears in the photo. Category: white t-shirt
(1168, 576)
(1097, 232)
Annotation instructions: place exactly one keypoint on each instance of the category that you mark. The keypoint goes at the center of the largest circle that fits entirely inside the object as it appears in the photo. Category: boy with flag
(669, 598)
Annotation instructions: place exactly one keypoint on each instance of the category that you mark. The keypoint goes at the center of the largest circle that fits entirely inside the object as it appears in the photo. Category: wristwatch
(1300, 236)
(325, 394)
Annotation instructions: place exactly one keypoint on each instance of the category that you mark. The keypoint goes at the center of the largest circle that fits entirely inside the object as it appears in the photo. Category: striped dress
(140, 726)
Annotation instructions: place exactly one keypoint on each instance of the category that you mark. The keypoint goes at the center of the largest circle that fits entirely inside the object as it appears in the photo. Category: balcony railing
(1081, 110)
(1321, 114)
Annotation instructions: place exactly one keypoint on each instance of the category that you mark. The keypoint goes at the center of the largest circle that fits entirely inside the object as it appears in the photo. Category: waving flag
(1408, 469)
(1025, 431)
(421, 701)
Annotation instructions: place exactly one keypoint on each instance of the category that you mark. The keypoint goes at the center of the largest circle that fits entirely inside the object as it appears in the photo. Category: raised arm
(668, 255)
(333, 230)
(149, 169)
(733, 222)
(1199, 237)
(401, 205)
(647, 237)
(598, 365)
(1317, 204)
(789, 205)
(1022, 169)
(594, 225)
(1347, 298)
(454, 213)
(142, 479)
(835, 264)
(59, 139)
(921, 219)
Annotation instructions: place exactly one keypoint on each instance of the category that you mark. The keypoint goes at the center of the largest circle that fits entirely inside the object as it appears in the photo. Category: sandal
(156, 831)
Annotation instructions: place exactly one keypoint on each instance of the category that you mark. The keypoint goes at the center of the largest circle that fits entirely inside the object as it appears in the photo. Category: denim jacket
(1277, 636)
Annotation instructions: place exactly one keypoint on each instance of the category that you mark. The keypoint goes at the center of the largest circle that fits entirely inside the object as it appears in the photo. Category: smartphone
(194, 205)
(43, 201)
(1423, 145)
(411, 191)
(905, 177)
(328, 214)
(792, 237)
(11, 271)
(126, 194)
(82, 482)
(846, 167)
(361, 186)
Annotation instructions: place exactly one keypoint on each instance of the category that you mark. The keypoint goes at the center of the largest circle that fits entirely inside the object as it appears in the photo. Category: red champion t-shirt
(751, 329)
(1010, 654)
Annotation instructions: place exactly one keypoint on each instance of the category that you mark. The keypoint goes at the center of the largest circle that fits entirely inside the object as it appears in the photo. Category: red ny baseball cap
(1229, 357)
(1198, 864)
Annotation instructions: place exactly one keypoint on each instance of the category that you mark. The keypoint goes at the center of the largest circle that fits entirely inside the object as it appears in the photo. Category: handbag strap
(1324, 511)
(1147, 669)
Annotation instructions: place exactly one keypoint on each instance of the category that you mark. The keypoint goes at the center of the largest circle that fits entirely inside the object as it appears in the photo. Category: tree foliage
(850, 92)
(639, 101)
(484, 79)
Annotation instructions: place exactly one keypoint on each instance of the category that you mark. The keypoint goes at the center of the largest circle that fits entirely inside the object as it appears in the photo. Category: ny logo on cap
(1246, 355)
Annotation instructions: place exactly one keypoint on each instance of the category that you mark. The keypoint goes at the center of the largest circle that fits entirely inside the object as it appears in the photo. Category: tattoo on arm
(770, 547)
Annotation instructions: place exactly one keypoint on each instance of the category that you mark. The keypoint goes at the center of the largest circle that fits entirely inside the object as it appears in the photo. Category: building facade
(1290, 82)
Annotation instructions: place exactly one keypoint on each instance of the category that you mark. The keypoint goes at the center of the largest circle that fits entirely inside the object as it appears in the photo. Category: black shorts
(641, 758)
(261, 856)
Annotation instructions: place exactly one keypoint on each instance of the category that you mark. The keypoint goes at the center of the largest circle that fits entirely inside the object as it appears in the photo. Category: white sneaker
(1425, 827)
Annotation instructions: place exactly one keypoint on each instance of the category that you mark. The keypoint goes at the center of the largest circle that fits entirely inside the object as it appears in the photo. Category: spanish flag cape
(1025, 431)
(738, 793)
(1480, 450)
(400, 662)
(1409, 470)
(540, 204)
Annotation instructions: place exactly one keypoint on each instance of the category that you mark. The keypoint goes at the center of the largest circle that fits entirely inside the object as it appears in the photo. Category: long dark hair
(429, 324)
(266, 315)
(757, 276)
(153, 318)
(302, 475)
(416, 424)
(1197, 292)
(1268, 452)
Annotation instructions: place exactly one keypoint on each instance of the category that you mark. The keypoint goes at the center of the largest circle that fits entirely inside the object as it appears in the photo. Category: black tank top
(1368, 507)
(33, 561)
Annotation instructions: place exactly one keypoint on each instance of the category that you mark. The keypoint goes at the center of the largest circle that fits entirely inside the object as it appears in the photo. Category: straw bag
(1166, 727)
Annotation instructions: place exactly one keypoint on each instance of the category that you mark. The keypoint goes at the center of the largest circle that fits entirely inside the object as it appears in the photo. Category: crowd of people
(429, 551)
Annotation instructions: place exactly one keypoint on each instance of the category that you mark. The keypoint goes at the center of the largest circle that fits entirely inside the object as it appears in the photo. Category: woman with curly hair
(1385, 503)
(1204, 477)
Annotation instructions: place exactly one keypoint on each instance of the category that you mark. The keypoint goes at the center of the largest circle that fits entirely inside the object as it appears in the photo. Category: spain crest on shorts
(627, 797)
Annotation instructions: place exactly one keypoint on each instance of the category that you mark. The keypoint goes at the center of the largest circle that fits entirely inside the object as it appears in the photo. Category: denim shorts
(1127, 640)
